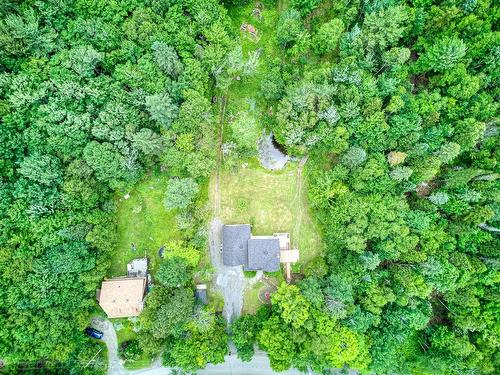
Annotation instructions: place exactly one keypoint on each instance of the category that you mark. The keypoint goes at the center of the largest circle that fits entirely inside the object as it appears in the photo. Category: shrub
(180, 193)
(130, 350)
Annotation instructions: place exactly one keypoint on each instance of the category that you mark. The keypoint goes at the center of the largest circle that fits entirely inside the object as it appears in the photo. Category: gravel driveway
(230, 281)
(115, 365)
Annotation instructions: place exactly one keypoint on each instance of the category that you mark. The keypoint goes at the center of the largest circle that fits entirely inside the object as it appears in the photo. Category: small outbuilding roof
(138, 268)
(201, 293)
(263, 254)
(235, 244)
(122, 297)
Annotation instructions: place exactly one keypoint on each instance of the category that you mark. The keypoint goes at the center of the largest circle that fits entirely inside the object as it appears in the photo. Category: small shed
(201, 293)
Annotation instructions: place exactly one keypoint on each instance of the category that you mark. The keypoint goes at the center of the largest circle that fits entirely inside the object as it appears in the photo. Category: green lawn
(143, 220)
(127, 333)
(270, 201)
(251, 301)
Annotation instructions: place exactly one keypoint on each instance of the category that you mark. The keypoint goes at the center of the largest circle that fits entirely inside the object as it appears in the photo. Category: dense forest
(396, 105)
(93, 94)
(396, 102)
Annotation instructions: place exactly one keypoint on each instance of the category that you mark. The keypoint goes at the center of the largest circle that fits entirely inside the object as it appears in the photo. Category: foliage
(305, 6)
(408, 235)
(199, 348)
(130, 350)
(244, 332)
(180, 193)
(161, 109)
(92, 94)
(328, 36)
(174, 272)
(245, 132)
(396, 105)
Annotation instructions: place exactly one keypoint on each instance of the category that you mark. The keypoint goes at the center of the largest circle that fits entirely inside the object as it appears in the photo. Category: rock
(270, 156)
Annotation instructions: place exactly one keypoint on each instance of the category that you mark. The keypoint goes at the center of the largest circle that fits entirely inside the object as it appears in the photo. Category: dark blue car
(93, 333)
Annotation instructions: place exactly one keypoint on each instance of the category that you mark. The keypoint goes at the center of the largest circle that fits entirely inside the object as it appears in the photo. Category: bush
(243, 205)
(130, 350)
(174, 272)
(180, 193)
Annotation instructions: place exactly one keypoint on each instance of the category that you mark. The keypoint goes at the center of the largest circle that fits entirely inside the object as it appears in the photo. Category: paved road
(232, 366)
(115, 365)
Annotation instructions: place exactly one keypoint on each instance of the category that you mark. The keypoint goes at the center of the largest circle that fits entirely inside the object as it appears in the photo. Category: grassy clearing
(271, 202)
(143, 220)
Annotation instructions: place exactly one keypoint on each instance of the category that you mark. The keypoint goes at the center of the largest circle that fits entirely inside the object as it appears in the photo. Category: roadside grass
(143, 220)
(272, 204)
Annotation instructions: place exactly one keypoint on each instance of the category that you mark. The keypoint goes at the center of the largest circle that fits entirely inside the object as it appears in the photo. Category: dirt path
(298, 198)
(220, 130)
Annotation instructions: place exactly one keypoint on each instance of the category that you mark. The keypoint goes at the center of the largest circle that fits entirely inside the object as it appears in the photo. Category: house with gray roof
(254, 253)
(235, 244)
(263, 254)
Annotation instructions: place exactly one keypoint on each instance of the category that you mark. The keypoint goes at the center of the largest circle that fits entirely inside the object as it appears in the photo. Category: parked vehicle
(92, 332)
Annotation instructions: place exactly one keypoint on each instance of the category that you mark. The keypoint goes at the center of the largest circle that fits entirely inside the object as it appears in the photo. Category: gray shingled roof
(235, 244)
(263, 254)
